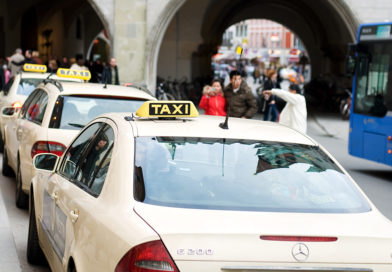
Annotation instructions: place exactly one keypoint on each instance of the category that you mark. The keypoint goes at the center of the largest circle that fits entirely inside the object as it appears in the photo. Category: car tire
(6, 170)
(34, 251)
(21, 198)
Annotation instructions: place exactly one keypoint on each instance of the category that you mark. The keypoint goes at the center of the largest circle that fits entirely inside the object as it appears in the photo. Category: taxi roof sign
(167, 109)
(80, 74)
(38, 68)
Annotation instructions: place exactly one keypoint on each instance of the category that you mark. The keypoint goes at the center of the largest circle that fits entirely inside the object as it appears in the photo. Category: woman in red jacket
(212, 101)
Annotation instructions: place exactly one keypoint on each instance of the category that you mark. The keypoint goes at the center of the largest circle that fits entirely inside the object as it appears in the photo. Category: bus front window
(373, 95)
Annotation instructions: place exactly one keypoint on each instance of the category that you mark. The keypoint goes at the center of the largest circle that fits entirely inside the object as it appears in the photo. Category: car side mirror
(351, 59)
(8, 111)
(45, 161)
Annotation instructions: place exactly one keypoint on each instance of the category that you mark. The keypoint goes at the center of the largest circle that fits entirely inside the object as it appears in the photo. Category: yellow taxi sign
(166, 109)
(80, 74)
(38, 68)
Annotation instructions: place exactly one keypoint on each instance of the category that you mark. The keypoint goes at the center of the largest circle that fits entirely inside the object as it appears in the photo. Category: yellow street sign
(239, 50)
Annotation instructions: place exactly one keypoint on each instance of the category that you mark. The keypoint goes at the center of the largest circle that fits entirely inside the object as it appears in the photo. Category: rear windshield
(74, 112)
(227, 174)
(27, 85)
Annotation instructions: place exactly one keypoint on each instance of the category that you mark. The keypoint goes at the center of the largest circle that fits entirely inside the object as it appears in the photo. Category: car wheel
(6, 170)
(21, 198)
(34, 251)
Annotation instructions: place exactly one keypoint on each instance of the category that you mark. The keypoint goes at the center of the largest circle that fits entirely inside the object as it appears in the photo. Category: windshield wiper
(76, 125)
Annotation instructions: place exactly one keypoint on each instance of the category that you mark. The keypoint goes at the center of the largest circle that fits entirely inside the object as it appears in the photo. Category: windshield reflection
(234, 174)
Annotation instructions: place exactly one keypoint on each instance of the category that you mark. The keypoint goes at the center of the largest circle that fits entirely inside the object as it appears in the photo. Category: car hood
(234, 236)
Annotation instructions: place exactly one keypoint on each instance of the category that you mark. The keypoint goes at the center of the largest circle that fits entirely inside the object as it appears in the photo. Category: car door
(11, 131)
(30, 129)
(80, 179)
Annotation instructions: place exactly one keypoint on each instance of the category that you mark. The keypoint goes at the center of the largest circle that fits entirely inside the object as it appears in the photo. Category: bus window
(374, 80)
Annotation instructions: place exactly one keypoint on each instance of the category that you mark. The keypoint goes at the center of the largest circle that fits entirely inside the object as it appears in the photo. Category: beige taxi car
(160, 190)
(22, 85)
(52, 115)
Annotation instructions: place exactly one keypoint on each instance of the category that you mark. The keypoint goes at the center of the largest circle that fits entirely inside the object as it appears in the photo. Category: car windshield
(227, 174)
(27, 85)
(74, 112)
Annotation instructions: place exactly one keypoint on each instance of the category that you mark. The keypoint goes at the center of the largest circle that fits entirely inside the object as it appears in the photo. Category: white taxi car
(137, 193)
(22, 85)
(51, 117)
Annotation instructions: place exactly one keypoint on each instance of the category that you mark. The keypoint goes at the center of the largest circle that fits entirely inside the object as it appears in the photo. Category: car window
(70, 160)
(27, 103)
(40, 108)
(74, 112)
(230, 174)
(7, 86)
(95, 163)
(27, 85)
(33, 109)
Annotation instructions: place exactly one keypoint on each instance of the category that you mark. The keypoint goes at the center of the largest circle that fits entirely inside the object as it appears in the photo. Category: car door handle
(55, 196)
(19, 132)
(74, 214)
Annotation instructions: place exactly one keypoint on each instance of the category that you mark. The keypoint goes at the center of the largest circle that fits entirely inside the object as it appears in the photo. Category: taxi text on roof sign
(167, 109)
(80, 74)
(39, 68)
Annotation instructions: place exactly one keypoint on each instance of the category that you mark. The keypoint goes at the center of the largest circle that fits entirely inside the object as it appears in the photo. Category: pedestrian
(29, 57)
(239, 98)
(270, 109)
(52, 66)
(36, 57)
(79, 64)
(294, 113)
(64, 63)
(72, 61)
(110, 73)
(2, 78)
(212, 101)
(7, 73)
(16, 61)
(96, 71)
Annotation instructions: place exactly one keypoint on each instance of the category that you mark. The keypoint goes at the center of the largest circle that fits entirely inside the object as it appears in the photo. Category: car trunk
(230, 240)
(63, 136)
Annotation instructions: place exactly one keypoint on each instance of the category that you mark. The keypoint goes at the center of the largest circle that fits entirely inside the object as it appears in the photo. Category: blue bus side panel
(368, 138)
(355, 139)
(374, 147)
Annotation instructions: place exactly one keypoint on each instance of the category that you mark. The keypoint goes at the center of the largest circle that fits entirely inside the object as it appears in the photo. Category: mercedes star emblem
(300, 252)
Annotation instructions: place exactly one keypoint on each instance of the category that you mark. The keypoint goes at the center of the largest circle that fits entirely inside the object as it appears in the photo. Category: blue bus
(369, 61)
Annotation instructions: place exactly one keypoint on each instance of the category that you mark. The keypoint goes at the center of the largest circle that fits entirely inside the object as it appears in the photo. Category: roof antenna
(106, 82)
(225, 125)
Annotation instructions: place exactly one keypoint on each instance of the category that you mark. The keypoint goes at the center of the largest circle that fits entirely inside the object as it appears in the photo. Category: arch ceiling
(325, 27)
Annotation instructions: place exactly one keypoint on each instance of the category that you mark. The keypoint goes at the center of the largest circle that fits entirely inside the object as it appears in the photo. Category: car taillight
(16, 104)
(47, 147)
(148, 257)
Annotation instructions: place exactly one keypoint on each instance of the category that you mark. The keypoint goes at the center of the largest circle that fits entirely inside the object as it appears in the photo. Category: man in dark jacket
(239, 98)
(2, 78)
(110, 73)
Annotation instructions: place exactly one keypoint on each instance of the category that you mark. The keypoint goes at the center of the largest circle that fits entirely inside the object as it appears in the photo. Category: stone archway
(53, 33)
(325, 28)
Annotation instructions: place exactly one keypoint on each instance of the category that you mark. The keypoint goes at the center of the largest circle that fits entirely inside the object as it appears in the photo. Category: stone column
(129, 39)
